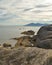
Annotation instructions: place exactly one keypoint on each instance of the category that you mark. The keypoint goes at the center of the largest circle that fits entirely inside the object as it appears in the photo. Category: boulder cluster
(43, 38)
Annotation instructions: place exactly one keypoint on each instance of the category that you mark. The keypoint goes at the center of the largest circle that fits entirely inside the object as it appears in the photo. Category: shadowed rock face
(25, 56)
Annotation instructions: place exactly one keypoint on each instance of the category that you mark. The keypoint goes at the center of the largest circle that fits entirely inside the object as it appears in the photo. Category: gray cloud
(42, 6)
(5, 15)
(40, 11)
(27, 9)
(37, 11)
(16, 2)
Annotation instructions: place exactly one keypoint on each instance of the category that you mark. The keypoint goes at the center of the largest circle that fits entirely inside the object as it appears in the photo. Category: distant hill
(35, 24)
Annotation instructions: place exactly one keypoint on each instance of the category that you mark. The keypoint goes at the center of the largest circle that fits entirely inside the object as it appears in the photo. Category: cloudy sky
(20, 12)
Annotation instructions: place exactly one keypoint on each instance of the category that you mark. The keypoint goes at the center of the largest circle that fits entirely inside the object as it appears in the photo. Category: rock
(46, 44)
(33, 40)
(49, 61)
(6, 45)
(34, 37)
(30, 32)
(44, 31)
(24, 41)
(26, 56)
(44, 37)
(14, 38)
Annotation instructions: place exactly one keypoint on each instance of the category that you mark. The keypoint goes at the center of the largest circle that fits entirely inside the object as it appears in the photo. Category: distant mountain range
(35, 24)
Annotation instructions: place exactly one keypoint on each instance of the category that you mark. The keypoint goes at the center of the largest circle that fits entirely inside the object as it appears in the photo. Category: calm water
(7, 32)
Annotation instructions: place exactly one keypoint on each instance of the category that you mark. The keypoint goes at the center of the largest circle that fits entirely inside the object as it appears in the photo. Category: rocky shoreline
(29, 50)
(43, 38)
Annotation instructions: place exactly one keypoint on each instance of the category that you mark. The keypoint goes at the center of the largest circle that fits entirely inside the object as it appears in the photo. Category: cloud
(42, 5)
(37, 11)
(28, 9)
(41, 11)
(25, 11)
(6, 15)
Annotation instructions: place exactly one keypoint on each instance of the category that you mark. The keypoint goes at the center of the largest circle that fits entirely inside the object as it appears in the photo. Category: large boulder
(44, 31)
(25, 56)
(44, 37)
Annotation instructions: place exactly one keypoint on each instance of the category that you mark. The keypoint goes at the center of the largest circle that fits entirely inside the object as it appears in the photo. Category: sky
(21, 12)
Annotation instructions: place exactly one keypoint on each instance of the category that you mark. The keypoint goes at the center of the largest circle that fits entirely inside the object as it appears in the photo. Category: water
(8, 32)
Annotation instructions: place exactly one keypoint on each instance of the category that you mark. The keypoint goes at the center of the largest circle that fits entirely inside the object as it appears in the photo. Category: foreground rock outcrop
(25, 56)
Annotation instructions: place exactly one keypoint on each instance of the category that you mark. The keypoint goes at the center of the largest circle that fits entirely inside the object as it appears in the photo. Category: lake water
(7, 32)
